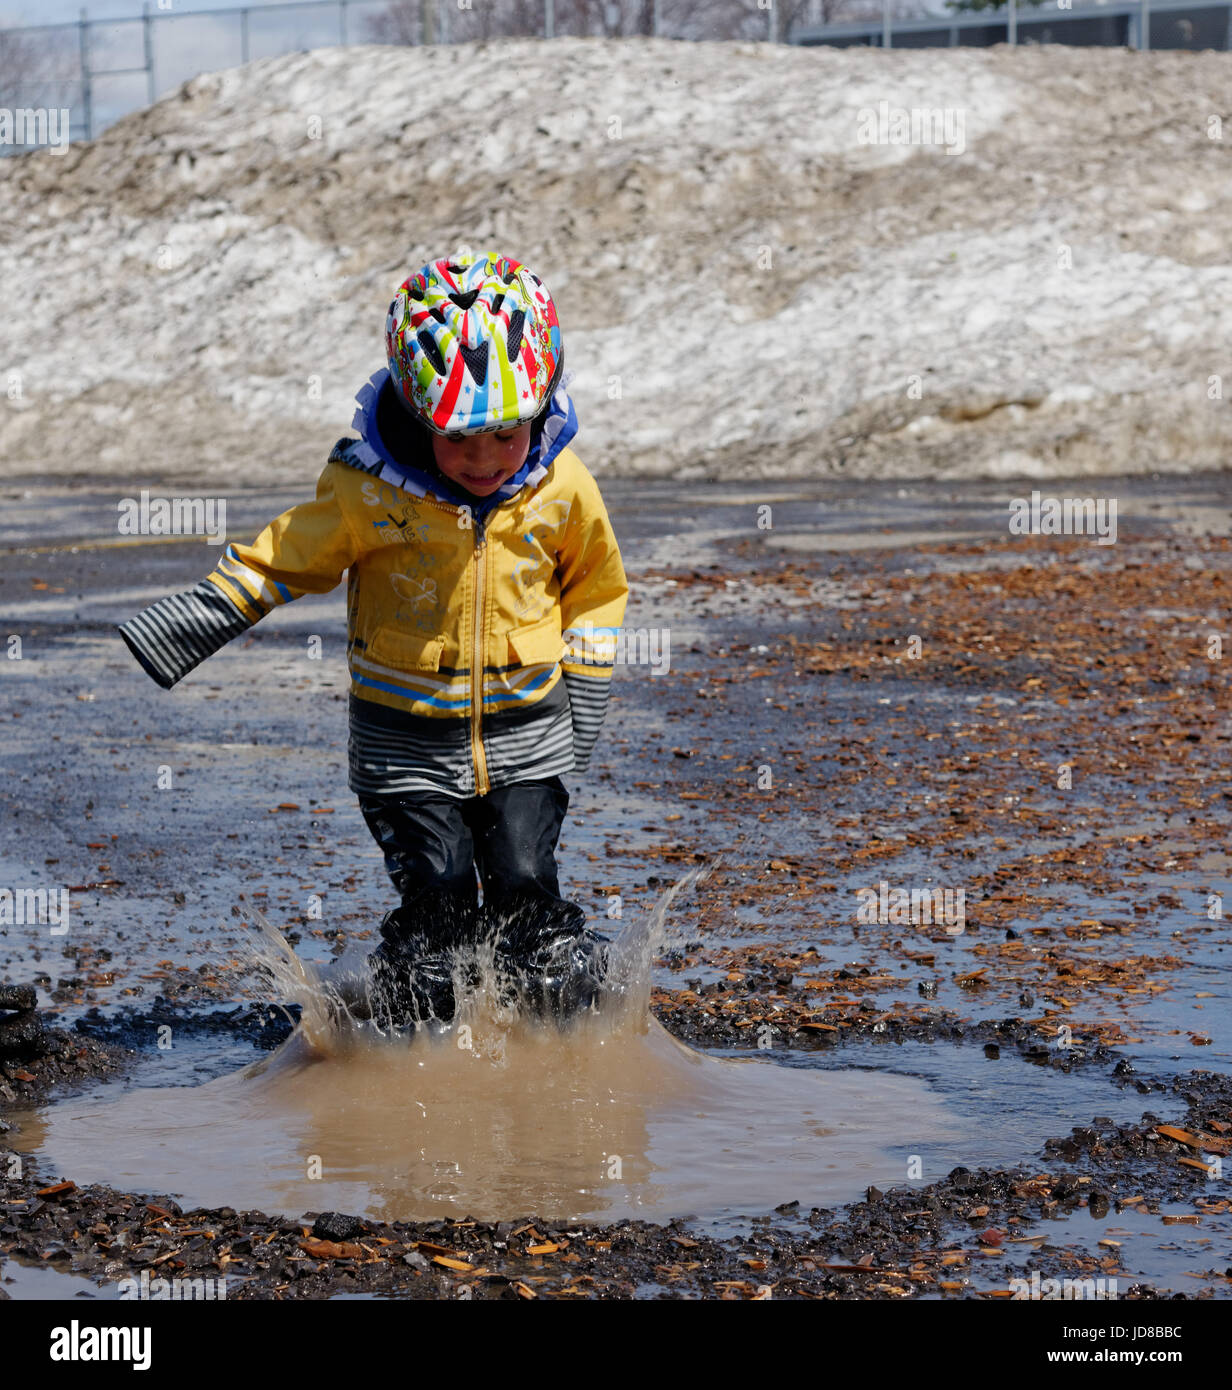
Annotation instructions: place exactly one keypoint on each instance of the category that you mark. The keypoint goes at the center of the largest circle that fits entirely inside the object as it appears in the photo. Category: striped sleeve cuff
(251, 592)
(588, 697)
(176, 634)
(587, 645)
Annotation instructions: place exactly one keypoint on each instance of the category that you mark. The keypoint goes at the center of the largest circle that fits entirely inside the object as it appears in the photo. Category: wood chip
(331, 1250)
(1195, 1163)
(1182, 1136)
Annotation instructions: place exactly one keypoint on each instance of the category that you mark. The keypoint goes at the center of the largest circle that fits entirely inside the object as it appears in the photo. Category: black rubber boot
(545, 950)
(413, 968)
(411, 984)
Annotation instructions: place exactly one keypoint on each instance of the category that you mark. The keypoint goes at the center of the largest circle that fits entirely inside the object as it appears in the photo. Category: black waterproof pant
(433, 845)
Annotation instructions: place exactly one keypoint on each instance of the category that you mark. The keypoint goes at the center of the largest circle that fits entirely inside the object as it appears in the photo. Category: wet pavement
(883, 687)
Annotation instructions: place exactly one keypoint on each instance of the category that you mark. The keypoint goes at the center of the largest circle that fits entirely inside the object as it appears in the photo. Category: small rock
(22, 1036)
(333, 1225)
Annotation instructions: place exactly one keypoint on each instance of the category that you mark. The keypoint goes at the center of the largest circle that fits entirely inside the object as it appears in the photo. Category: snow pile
(747, 285)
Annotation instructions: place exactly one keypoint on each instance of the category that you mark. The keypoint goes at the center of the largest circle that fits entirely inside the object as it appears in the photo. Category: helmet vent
(476, 360)
(464, 300)
(431, 351)
(517, 322)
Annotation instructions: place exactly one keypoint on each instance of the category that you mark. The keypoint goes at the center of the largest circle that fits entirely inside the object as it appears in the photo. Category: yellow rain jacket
(481, 635)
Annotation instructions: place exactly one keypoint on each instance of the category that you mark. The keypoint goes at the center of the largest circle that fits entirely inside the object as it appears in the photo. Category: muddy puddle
(610, 1119)
(1008, 1105)
(591, 1123)
(497, 1115)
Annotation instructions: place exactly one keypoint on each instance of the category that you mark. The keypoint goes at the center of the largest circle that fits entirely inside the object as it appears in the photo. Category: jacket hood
(370, 453)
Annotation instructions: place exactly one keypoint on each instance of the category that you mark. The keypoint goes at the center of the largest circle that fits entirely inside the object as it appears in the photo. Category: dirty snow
(745, 288)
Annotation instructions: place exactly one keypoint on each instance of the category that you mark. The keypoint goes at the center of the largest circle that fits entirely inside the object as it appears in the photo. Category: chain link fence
(69, 81)
(98, 70)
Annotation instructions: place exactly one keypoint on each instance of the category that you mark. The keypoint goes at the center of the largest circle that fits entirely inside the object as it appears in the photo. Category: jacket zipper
(478, 757)
(482, 784)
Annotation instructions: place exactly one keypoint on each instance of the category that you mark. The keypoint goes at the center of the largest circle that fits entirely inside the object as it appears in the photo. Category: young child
(485, 588)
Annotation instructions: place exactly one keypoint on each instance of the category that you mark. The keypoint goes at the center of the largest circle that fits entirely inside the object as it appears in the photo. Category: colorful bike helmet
(474, 344)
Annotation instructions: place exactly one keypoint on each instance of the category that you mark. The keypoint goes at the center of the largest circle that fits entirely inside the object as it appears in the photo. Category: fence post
(147, 39)
(886, 36)
(549, 19)
(1144, 25)
(342, 22)
(243, 36)
(1011, 25)
(87, 103)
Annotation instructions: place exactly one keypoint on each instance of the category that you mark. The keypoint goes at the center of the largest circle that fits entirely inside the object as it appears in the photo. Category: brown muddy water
(497, 1115)
(592, 1123)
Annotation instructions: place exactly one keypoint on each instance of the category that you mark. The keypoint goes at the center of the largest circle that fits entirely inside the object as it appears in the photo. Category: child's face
(482, 462)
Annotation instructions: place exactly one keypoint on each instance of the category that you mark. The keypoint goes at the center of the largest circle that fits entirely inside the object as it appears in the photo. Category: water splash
(626, 992)
(340, 1005)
